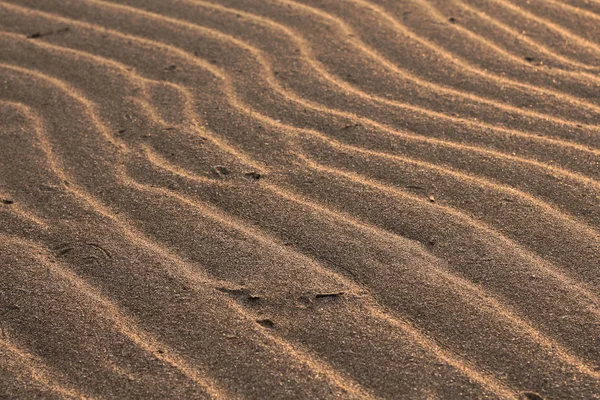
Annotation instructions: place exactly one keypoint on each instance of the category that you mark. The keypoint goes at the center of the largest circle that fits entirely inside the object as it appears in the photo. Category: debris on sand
(328, 295)
(253, 175)
(221, 170)
(267, 323)
(38, 34)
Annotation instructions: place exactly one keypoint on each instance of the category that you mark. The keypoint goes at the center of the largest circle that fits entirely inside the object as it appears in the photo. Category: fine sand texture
(300, 199)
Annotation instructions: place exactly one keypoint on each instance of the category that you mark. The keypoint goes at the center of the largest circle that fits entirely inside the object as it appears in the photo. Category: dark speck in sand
(253, 175)
(221, 170)
(531, 396)
(328, 295)
(267, 323)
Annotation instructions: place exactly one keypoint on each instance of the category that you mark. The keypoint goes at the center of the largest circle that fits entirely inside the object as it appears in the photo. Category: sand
(303, 199)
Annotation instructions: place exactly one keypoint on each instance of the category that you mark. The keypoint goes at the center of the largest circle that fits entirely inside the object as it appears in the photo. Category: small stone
(531, 396)
(267, 323)
(330, 295)
(253, 175)
(221, 170)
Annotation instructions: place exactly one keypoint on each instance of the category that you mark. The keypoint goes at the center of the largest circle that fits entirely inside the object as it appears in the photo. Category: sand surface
(302, 199)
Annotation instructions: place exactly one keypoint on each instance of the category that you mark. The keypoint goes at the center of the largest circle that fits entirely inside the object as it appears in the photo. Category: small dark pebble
(531, 396)
(7, 201)
(267, 323)
(40, 34)
(244, 293)
(171, 67)
(122, 130)
(234, 292)
(452, 19)
(62, 252)
(530, 59)
(326, 295)
(221, 170)
(253, 175)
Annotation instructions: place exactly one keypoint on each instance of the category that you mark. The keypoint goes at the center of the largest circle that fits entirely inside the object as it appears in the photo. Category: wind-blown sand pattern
(300, 199)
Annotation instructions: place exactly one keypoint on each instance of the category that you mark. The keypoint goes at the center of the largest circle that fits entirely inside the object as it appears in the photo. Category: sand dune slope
(300, 199)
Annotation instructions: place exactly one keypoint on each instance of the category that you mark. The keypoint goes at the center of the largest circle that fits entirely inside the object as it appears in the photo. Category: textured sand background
(300, 199)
